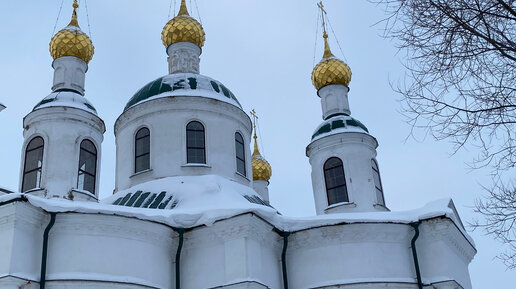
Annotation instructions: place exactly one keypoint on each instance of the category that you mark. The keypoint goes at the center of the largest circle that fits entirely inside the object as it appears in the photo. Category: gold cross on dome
(323, 12)
(320, 5)
(255, 117)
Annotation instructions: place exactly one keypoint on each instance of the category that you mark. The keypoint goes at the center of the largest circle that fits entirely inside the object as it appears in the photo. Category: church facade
(191, 206)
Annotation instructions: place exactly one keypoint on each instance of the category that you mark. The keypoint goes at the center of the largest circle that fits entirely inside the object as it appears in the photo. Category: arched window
(335, 181)
(33, 164)
(195, 147)
(377, 183)
(87, 167)
(142, 150)
(240, 153)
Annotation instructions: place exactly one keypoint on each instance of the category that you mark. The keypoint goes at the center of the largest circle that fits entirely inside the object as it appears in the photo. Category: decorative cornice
(238, 227)
(443, 229)
(350, 233)
(91, 225)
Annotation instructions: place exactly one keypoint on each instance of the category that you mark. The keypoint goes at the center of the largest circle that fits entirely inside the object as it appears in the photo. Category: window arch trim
(33, 167)
(87, 170)
(195, 142)
(240, 154)
(377, 182)
(142, 149)
(335, 181)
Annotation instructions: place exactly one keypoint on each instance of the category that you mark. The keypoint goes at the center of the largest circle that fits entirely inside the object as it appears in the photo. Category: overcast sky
(263, 50)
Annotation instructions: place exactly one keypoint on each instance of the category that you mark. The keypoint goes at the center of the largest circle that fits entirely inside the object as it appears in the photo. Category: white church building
(190, 207)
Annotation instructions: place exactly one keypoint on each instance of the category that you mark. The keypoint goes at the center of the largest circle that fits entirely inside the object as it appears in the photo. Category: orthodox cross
(255, 117)
(323, 12)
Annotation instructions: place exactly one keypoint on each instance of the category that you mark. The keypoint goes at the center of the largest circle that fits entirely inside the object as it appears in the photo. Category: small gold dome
(261, 168)
(330, 70)
(183, 28)
(71, 41)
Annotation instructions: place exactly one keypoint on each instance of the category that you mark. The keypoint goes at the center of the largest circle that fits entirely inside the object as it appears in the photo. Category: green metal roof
(180, 83)
(139, 199)
(338, 122)
(67, 98)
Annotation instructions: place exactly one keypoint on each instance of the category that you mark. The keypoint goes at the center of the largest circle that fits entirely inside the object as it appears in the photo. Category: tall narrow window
(377, 183)
(87, 167)
(33, 164)
(240, 153)
(195, 147)
(142, 150)
(335, 181)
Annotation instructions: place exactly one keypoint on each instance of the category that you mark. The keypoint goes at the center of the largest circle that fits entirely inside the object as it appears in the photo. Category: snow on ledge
(204, 200)
(361, 281)
(101, 278)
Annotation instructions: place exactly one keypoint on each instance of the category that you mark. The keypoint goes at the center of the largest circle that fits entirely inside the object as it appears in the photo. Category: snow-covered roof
(183, 84)
(338, 124)
(203, 200)
(66, 99)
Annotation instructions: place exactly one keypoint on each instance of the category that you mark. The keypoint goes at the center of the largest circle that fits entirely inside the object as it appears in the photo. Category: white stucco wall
(334, 100)
(62, 129)
(444, 252)
(350, 254)
(243, 248)
(107, 251)
(166, 118)
(356, 151)
(69, 73)
(21, 239)
(111, 248)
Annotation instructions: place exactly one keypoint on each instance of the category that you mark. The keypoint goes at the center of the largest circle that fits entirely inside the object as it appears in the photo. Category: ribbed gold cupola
(330, 70)
(261, 168)
(183, 28)
(71, 41)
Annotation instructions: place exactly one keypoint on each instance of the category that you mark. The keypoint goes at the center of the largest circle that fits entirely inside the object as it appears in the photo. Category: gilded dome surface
(261, 168)
(71, 41)
(330, 70)
(183, 28)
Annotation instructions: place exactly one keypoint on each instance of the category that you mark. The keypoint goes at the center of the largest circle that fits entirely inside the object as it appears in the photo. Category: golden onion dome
(261, 168)
(183, 28)
(71, 41)
(330, 70)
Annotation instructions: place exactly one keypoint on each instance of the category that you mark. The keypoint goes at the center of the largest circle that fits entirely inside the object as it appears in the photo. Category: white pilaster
(334, 100)
(183, 57)
(69, 74)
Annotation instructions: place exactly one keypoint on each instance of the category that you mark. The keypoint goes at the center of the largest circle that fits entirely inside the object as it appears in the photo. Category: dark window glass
(142, 150)
(87, 167)
(33, 164)
(377, 183)
(240, 153)
(335, 181)
(195, 146)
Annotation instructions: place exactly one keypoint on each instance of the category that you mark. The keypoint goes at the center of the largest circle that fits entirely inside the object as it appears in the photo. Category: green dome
(183, 84)
(337, 124)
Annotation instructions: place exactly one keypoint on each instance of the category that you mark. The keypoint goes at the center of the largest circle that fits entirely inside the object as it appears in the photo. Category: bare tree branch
(460, 86)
